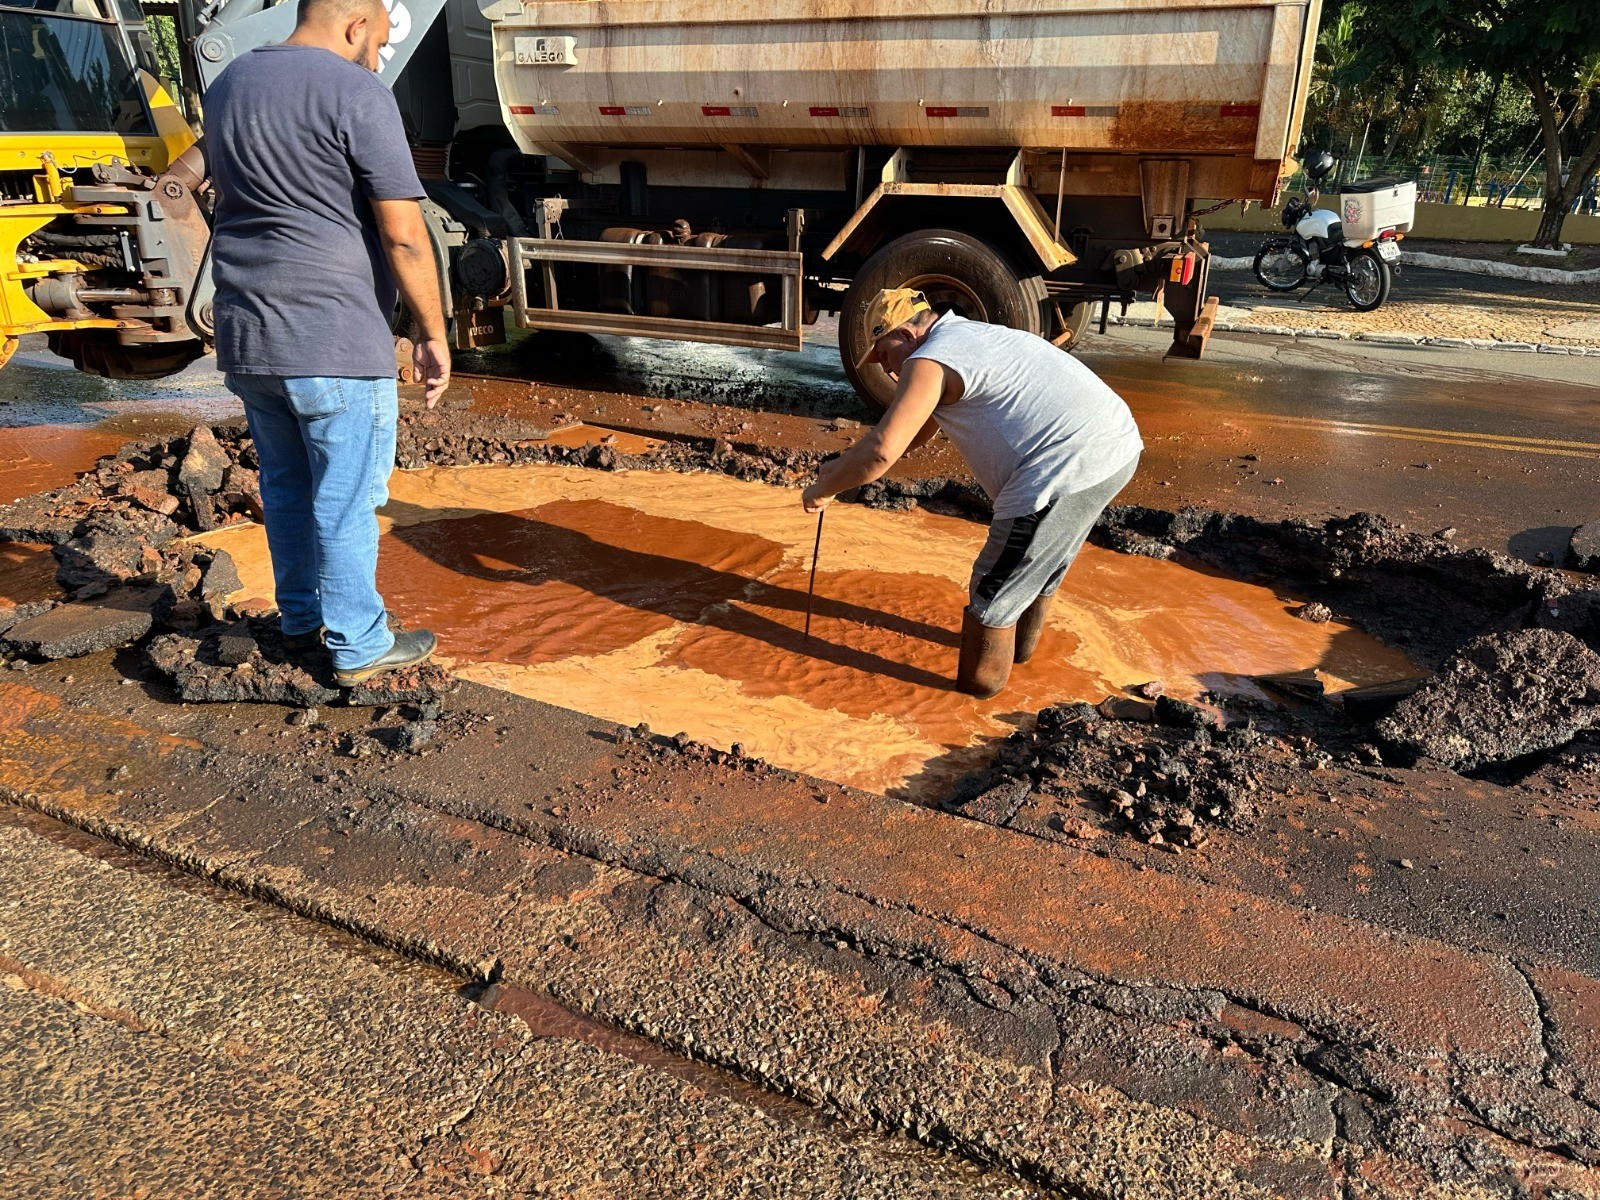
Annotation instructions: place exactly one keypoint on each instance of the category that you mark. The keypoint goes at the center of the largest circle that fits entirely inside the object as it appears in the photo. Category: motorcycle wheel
(1366, 280)
(1281, 267)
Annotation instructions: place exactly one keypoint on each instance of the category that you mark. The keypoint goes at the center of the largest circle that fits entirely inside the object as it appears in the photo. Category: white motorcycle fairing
(1321, 223)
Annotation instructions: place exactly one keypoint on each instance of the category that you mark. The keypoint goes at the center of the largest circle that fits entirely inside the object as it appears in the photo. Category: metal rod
(811, 589)
(1061, 191)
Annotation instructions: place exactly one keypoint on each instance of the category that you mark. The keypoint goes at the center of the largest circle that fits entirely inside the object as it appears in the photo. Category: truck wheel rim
(947, 292)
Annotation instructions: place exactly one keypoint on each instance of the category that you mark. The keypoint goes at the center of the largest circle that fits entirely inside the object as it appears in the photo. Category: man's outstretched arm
(908, 423)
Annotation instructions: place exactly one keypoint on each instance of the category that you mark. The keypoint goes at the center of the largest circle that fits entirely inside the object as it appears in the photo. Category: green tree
(1549, 48)
(164, 37)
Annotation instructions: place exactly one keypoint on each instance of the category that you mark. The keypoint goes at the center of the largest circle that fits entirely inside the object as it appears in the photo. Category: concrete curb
(1447, 262)
(1500, 270)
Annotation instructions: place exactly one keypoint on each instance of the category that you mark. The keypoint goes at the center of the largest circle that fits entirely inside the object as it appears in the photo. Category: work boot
(986, 654)
(302, 645)
(411, 646)
(1030, 627)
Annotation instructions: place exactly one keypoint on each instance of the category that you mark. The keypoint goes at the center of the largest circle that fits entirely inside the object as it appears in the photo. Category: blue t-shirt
(299, 142)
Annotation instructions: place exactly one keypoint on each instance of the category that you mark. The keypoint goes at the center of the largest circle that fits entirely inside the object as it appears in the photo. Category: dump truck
(725, 170)
(708, 170)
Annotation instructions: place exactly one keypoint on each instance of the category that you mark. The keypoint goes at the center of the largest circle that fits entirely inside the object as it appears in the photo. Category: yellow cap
(890, 309)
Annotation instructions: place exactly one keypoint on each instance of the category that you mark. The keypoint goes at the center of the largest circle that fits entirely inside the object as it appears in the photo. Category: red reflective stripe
(824, 112)
(1241, 110)
(943, 111)
(715, 110)
(1188, 269)
(1067, 110)
(612, 110)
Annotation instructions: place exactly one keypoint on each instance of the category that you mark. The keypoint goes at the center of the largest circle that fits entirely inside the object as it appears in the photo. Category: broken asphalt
(1383, 984)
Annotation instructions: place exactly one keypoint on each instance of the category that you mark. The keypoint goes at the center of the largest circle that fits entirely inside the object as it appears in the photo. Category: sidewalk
(1439, 307)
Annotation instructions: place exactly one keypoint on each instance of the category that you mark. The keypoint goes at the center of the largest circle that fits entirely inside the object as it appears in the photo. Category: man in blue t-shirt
(317, 234)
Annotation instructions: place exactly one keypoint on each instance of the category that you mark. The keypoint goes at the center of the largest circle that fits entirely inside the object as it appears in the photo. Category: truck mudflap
(1183, 294)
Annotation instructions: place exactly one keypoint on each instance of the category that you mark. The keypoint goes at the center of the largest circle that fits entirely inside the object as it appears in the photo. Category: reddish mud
(680, 600)
(27, 574)
(590, 435)
(35, 458)
(567, 578)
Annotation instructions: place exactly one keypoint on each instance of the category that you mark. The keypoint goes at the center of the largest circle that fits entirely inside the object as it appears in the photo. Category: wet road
(1502, 448)
(1116, 1019)
(55, 422)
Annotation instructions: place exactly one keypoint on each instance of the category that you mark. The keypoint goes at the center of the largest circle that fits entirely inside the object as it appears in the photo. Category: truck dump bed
(1193, 77)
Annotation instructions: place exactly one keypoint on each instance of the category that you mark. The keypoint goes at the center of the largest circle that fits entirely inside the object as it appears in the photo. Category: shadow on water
(534, 551)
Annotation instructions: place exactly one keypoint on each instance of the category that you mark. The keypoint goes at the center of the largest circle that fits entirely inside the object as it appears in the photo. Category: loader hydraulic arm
(218, 31)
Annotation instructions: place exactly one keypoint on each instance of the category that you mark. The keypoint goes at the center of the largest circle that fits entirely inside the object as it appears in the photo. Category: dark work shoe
(411, 646)
(299, 645)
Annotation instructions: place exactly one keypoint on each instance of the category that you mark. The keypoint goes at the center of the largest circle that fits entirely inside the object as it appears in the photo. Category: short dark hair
(309, 11)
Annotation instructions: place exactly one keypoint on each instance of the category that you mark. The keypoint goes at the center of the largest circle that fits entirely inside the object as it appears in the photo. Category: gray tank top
(1033, 422)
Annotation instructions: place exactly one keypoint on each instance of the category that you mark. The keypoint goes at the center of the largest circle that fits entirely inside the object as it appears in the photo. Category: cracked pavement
(183, 1041)
(1127, 1031)
(1290, 1014)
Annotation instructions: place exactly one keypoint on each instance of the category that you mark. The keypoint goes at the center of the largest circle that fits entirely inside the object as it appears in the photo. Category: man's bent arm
(410, 255)
(906, 423)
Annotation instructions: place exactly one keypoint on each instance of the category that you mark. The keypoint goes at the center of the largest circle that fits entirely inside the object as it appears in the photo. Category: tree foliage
(164, 37)
(1423, 62)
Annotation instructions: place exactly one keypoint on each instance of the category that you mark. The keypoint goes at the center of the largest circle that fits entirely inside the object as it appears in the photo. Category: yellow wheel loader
(103, 231)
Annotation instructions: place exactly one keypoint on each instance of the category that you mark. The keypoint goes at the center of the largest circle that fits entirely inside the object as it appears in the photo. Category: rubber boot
(1030, 627)
(986, 654)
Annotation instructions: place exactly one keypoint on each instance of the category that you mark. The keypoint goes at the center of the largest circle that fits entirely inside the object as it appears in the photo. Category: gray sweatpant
(1027, 557)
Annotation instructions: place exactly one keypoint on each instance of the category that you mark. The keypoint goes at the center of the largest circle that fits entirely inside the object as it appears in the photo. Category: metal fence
(1445, 179)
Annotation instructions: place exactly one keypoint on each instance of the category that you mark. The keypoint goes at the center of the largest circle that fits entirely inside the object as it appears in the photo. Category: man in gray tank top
(1049, 442)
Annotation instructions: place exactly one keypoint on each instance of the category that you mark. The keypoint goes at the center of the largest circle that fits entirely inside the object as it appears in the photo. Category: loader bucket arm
(225, 29)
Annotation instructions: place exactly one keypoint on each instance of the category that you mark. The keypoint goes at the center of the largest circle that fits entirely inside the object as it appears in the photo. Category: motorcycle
(1315, 251)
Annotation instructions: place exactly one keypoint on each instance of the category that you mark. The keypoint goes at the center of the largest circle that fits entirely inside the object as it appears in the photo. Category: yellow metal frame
(53, 156)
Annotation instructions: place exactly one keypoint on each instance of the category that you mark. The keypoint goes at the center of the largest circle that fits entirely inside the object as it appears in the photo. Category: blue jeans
(326, 447)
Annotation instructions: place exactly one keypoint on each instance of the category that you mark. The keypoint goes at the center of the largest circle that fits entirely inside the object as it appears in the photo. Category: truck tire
(956, 271)
(97, 352)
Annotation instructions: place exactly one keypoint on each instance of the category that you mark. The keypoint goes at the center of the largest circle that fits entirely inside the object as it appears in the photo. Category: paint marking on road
(1449, 437)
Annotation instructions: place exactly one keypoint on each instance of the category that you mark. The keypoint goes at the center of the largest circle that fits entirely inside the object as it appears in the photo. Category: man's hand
(432, 361)
(909, 421)
(814, 499)
(405, 244)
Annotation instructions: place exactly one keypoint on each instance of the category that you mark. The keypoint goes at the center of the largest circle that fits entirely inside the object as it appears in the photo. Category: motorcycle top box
(1369, 206)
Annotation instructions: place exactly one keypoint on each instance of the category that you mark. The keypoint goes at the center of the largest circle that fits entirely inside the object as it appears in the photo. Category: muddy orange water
(27, 573)
(679, 600)
(34, 458)
(48, 454)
